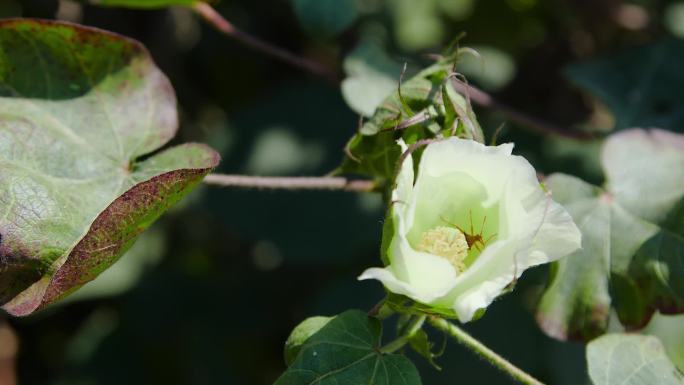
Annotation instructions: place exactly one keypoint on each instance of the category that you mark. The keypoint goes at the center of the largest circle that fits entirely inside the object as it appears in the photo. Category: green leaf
(660, 160)
(418, 24)
(371, 76)
(668, 328)
(300, 334)
(79, 108)
(492, 69)
(626, 262)
(577, 302)
(346, 351)
(456, 9)
(642, 86)
(419, 110)
(421, 344)
(325, 17)
(625, 359)
(142, 3)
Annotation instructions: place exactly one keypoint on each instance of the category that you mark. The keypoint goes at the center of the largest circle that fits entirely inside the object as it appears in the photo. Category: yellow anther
(447, 242)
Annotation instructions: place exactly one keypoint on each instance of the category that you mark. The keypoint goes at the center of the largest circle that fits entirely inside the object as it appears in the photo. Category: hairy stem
(292, 183)
(414, 325)
(480, 349)
(215, 19)
(211, 16)
(485, 100)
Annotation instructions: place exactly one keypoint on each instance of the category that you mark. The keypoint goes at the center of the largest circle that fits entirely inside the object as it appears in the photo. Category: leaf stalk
(292, 183)
(411, 329)
(465, 339)
(212, 17)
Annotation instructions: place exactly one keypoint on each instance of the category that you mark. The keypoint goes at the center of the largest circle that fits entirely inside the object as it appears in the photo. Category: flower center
(448, 243)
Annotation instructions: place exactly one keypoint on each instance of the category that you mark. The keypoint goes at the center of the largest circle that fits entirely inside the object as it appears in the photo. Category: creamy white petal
(478, 286)
(498, 266)
(392, 283)
(487, 164)
(543, 231)
(420, 276)
(404, 181)
(428, 274)
(458, 180)
(480, 297)
(436, 200)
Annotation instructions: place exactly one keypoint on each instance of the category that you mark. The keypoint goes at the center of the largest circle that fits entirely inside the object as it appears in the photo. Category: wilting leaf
(642, 86)
(627, 261)
(624, 359)
(346, 351)
(79, 107)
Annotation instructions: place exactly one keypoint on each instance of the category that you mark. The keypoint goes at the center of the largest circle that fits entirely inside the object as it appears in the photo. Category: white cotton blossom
(468, 225)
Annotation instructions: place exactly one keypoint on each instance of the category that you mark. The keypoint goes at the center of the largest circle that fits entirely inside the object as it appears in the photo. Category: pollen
(447, 242)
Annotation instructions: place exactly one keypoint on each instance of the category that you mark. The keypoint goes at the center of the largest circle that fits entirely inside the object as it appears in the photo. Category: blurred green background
(210, 294)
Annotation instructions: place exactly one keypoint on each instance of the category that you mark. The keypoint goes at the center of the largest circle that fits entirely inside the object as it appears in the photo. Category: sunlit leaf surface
(624, 359)
(630, 258)
(79, 108)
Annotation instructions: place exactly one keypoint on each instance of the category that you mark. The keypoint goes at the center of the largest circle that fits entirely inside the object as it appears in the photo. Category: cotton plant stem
(211, 16)
(480, 349)
(411, 329)
(292, 183)
(526, 121)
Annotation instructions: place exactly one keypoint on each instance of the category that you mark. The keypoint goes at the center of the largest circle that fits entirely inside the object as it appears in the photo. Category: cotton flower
(468, 225)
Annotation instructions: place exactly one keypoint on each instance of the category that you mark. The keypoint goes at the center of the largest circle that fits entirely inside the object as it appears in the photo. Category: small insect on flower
(472, 238)
(434, 261)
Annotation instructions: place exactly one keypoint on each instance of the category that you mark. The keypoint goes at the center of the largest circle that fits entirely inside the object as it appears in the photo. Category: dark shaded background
(210, 294)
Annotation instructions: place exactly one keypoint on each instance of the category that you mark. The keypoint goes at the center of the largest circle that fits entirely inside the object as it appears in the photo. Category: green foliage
(642, 86)
(405, 305)
(624, 359)
(492, 68)
(79, 108)
(627, 261)
(420, 342)
(347, 351)
(668, 328)
(300, 334)
(75, 198)
(142, 3)
(425, 107)
(371, 76)
(325, 17)
(417, 24)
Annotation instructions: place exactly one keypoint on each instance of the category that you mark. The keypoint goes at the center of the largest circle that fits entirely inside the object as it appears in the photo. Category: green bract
(473, 221)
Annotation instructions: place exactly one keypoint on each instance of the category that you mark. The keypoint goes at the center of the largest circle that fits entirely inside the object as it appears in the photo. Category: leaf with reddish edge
(79, 109)
(632, 256)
